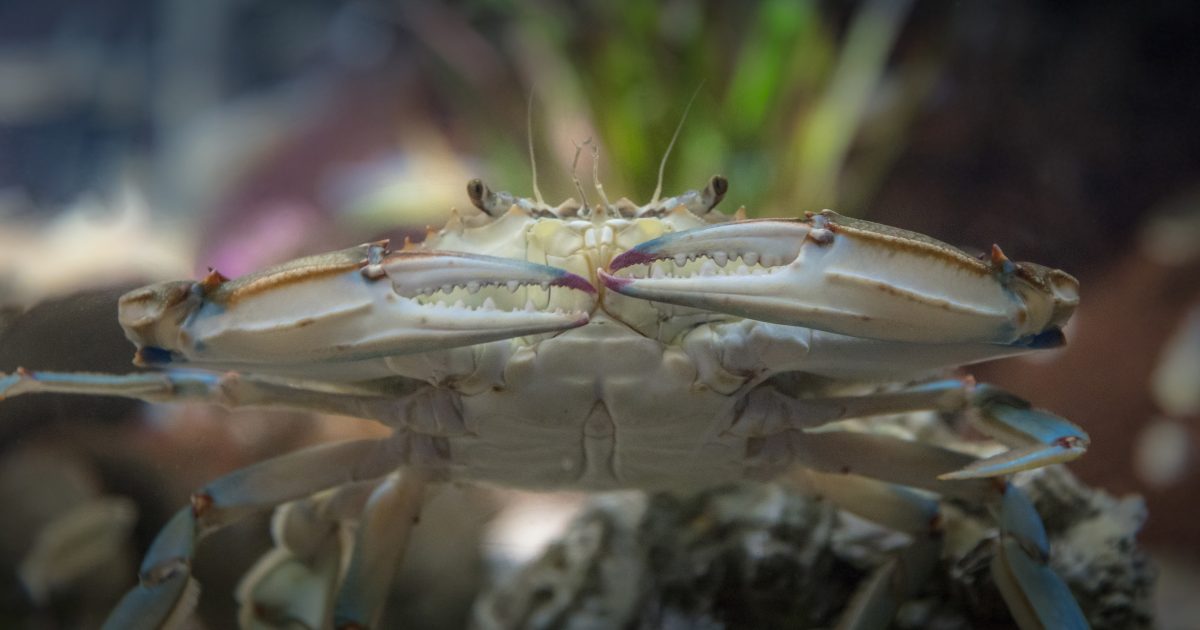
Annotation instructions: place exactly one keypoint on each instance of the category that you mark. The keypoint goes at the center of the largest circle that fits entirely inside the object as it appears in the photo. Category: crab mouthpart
(849, 277)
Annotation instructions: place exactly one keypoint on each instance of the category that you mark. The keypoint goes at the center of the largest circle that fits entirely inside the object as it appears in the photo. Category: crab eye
(719, 185)
(477, 191)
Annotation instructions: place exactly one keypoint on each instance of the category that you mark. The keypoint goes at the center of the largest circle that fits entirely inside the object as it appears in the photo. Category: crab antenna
(537, 193)
(575, 174)
(662, 166)
(596, 176)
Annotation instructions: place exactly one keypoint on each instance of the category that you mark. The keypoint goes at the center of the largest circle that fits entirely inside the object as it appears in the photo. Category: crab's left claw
(850, 277)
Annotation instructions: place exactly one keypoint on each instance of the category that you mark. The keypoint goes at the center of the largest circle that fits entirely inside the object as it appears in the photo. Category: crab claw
(363, 303)
(850, 277)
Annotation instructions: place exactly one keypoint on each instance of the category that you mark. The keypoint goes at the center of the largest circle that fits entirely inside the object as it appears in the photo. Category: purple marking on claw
(630, 258)
(613, 282)
(573, 281)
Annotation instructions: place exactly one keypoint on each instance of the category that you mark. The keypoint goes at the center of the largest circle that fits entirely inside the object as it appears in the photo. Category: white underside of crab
(661, 347)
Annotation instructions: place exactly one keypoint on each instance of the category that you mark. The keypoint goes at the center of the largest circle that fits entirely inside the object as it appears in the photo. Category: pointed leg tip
(959, 475)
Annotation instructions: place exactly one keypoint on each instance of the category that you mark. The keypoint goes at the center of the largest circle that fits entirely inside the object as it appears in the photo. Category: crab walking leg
(228, 389)
(888, 459)
(380, 541)
(769, 411)
(852, 277)
(843, 356)
(875, 603)
(397, 402)
(764, 349)
(295, 582)
(1037, 596)
(1036, 438)
(166, 591)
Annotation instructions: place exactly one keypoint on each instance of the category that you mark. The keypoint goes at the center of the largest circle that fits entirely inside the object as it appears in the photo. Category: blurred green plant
(801, 106)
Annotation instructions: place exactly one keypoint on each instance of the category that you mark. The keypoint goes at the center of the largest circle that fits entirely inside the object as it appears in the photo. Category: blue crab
(665, 346)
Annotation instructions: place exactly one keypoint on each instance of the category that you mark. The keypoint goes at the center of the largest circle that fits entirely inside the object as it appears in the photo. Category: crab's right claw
(355, 304)
(851, 277)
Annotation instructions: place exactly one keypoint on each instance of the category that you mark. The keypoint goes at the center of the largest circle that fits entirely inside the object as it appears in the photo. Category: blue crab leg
(357, 304)
(380, 541)
(760, 348)
(166, 594)
(229, 390)
(843, 356)
(895, 507)
(1037, 438)
(1037, 597)
(874, 605)
(398, 403)
(769, 411)
(297, 580)
(166, 591)
(848, 276)
(286, 590)
(1035, 594)
(888, 459)
(898, 508)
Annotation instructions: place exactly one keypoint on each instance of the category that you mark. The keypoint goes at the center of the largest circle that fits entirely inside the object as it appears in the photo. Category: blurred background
(144, 140)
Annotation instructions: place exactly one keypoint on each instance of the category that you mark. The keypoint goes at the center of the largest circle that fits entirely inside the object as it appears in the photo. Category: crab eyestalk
(488, 201)
(698, 202)
(850, 277)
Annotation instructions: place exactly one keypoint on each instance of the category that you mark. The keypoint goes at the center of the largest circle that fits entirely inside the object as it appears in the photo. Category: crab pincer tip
(572, 281)
(613, 282)
(630, 258)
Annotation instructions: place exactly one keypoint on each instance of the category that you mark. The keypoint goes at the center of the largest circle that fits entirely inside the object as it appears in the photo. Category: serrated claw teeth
(487, 295)
(433, 271)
